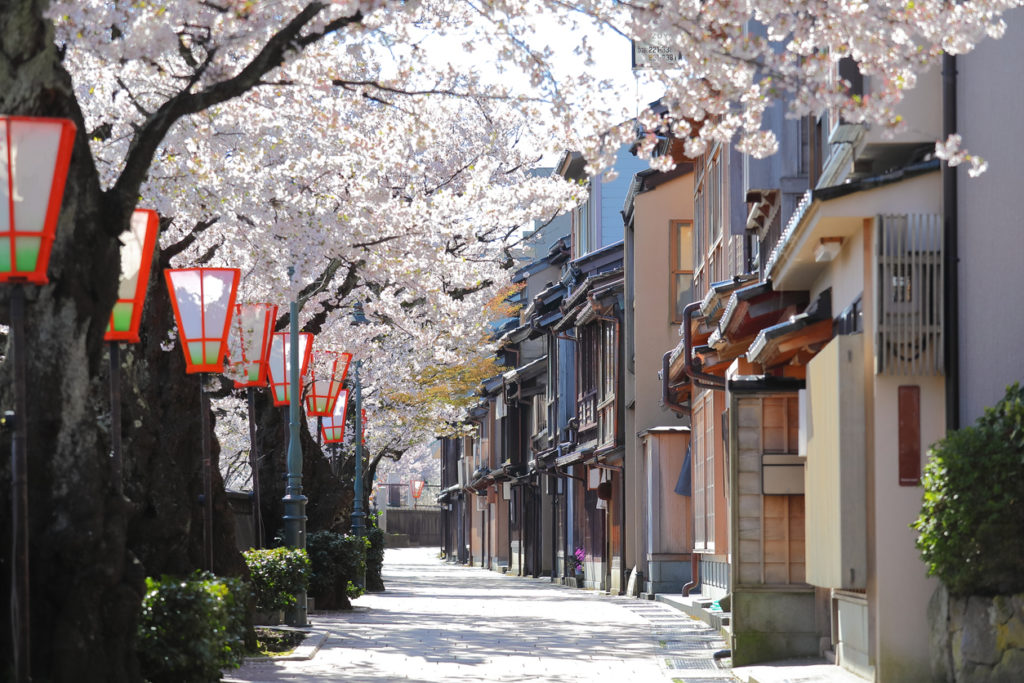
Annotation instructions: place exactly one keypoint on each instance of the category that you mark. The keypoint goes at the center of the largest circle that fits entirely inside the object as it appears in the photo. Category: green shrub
(971, 526)
(191, 628)
(374, 560)
(277, 574)
(338, 561)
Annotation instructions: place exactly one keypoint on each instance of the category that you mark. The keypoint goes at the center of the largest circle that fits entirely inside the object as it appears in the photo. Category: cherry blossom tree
(331, 152)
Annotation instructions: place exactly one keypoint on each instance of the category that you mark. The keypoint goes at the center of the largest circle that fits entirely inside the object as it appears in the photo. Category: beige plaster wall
(654, 334)
(846, 275)
(902, 590)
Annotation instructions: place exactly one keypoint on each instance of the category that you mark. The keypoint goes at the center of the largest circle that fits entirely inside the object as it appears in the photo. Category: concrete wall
(991, 241)
(771, 623)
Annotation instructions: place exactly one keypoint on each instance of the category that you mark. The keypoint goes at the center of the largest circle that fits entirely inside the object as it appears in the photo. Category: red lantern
(327, 375)
(249, 344)
(136, 257)
(203, 300)
(34, 157)
(333, 427)
(416, 487)
(279, 359)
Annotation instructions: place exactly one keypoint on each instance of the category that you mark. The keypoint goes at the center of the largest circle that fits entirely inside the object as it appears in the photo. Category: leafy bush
(338, 561)
(277, 574)
(375, 560)
(191, 628)
(971, 526)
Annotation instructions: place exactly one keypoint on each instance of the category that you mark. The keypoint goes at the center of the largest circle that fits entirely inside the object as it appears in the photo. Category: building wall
(773, 610)
(846, 274)
(653, 334)
(902, 590)
(836, 474)
(668, 514)
(991, 241)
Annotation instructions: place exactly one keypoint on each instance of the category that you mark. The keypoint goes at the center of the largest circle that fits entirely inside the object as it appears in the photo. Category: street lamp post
(358, 523)
(358, 516)
(285, 367)
(35, 154)
(203, 301)
(248, 352)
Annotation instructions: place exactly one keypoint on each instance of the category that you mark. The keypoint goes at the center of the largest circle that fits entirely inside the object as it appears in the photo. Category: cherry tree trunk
(85, 584)
(330, 496)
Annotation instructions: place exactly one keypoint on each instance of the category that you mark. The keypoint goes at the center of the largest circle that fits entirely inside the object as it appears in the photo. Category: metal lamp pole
(294, 501)
(358, 524)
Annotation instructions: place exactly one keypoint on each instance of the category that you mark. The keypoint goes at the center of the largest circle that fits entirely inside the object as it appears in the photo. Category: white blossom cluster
(390, 141)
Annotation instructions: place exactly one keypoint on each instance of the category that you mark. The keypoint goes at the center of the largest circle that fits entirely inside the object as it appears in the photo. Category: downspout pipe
(951, 338)
(704, 379)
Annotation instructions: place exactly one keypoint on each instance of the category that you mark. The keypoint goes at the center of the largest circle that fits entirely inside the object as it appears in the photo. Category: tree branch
(185, 103)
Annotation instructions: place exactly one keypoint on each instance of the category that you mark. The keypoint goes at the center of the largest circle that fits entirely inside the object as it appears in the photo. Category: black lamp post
(358, 515)
(35, 154)
(203, 301)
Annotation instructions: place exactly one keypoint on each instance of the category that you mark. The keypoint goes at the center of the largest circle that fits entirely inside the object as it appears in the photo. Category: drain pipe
(951, 350)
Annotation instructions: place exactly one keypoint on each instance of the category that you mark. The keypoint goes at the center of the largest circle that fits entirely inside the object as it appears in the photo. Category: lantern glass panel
(327, 375)
(280, 353)
(34, 158)
(136, 256)
(249, 343)
(203, 297)
(32, 154)
(334, 424)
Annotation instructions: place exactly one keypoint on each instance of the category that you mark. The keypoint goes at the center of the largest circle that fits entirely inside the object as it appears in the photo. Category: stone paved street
(439, 622)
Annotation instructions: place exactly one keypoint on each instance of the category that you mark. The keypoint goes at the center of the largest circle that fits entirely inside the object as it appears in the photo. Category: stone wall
(977, 639)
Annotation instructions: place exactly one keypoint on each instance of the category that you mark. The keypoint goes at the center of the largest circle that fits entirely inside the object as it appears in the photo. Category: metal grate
(910, 295)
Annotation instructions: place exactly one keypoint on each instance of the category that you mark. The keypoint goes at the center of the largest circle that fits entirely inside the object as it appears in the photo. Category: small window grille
(910, 295)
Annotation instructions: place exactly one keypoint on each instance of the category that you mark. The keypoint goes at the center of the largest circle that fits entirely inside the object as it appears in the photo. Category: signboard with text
(656, 55)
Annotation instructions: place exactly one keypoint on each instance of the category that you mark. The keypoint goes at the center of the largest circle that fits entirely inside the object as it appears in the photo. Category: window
(697, 461)
(540, 415)
(702, 456)
(709, 471)
(587, 369)
(715, 193)
(609, 371)
(680, 267)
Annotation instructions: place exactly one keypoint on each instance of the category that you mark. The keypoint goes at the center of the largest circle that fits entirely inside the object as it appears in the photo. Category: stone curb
(305, 650)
